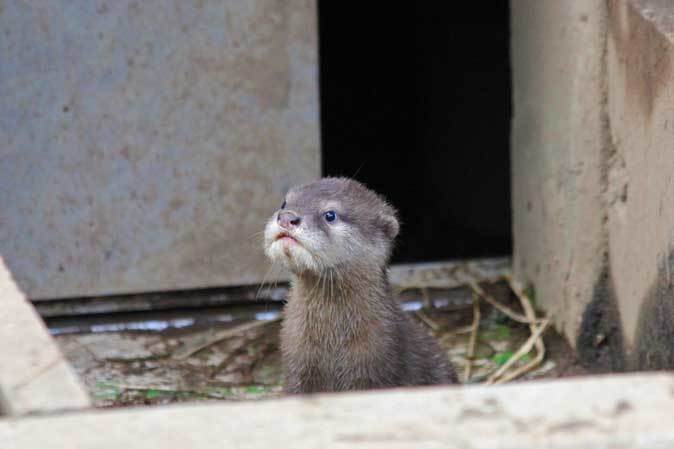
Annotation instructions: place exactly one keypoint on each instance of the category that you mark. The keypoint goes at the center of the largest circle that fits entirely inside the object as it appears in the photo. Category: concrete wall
(143, 144)
(641, 170)
(592, 173)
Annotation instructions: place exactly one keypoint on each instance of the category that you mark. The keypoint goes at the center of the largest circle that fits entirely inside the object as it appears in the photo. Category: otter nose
(288, 220)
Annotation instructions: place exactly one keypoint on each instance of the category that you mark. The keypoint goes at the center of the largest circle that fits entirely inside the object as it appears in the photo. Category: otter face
(332, 223)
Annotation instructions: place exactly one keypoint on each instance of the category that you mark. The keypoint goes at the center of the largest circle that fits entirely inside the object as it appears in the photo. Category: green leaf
(256, 389)
(152, 394)
(501, 358)
(104, 390)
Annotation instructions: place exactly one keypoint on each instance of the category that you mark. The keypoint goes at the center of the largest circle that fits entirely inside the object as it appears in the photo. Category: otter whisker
(332, 294)
(323, 285)
(315, 286)
(264, 280)
(255, 235)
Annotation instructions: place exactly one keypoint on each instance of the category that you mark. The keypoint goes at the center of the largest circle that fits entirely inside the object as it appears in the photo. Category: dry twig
(540, 344)
(497, 305)
(524, 349)
(236, 353)
(473, 337)
(426, 319)
(537, 327)
(186, 352)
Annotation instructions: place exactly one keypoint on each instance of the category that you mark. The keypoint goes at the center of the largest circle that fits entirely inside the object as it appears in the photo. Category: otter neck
(345, 287)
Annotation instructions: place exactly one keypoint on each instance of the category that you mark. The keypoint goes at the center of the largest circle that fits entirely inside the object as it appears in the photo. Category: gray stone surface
(633, 412)
(144, 144)
(34, 375)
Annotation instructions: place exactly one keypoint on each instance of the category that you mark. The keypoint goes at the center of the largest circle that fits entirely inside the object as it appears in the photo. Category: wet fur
(342, 328)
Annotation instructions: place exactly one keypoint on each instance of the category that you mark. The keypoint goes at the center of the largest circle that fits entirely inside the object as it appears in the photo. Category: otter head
(331, 224)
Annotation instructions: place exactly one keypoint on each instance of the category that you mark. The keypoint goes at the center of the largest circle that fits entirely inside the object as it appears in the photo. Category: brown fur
(342, 328)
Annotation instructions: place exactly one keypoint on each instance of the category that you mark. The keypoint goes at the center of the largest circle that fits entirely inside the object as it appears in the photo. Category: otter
(342, 328)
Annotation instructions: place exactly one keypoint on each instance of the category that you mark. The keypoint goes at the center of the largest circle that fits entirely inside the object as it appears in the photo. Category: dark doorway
(415, 102)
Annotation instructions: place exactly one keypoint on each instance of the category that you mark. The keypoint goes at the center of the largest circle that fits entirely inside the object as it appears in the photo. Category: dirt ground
(240, 360)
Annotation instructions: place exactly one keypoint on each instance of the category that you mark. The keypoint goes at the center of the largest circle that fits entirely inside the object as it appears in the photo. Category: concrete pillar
(557, 139)
(593, 160)
(640, 181)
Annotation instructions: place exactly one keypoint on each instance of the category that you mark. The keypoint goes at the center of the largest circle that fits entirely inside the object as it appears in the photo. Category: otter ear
(390, 225)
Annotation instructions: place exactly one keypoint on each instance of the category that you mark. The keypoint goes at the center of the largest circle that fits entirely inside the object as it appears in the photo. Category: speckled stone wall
(144, 143)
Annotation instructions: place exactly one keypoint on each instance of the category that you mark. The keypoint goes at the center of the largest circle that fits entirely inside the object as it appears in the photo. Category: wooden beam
(626, 411)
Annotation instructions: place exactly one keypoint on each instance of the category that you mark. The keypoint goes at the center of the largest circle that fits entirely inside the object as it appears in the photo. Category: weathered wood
(629, 411)
(34, 375)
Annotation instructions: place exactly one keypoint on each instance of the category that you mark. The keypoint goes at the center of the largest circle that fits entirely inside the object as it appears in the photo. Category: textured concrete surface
(143, 144)
(557, 140)
(34, 375)
(640, 170)
(592, 173)
(633, 412)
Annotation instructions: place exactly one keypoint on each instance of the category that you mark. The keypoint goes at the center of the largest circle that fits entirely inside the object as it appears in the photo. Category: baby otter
(342, 328)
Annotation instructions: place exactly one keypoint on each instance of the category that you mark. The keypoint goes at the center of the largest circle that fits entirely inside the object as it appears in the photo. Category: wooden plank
(34, 375)
(627, 411)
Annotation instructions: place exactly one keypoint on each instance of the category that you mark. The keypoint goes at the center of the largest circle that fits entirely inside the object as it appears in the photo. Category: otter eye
(330, 216)
(283, 206)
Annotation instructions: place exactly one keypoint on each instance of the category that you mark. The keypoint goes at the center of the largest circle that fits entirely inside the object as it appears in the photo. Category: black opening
(415, 102)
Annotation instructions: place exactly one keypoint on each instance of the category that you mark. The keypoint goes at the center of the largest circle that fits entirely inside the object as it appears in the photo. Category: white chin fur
(292, 255)
(296, 258)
